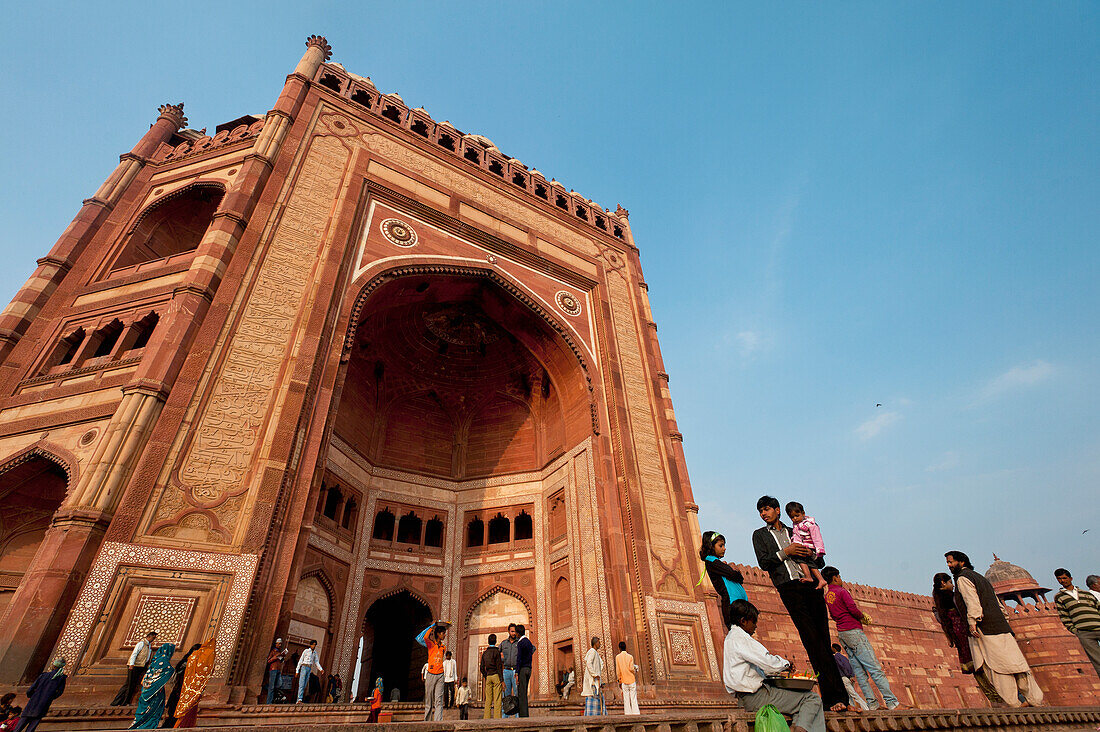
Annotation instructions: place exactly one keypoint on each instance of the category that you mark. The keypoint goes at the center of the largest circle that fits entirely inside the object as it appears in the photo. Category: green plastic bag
(768, 719)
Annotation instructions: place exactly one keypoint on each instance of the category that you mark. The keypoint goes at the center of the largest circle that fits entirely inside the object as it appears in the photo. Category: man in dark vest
(992, 643)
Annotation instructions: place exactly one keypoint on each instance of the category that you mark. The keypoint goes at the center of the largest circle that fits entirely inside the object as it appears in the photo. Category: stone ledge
(311, 717)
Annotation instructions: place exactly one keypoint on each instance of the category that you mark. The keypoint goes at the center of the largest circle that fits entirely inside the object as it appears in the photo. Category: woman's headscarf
(378, 684)
(58, 666)
(159, 672)
(199, 668)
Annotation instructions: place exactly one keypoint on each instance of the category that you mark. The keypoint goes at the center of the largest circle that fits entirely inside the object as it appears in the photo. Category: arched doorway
(30, 492)
(391, 628)
(492, 615)
(451, 377)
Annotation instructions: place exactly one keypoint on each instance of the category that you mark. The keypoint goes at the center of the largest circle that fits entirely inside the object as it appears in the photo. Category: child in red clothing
(12, 720)
(804, 530)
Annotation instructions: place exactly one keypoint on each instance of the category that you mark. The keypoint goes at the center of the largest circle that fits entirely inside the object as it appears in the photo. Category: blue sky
(838, 205)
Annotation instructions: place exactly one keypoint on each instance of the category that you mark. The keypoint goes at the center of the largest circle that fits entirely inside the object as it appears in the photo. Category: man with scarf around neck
(49, 685)
(992, 643)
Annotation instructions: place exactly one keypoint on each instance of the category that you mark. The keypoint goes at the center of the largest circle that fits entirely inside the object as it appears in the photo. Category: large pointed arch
(59, 456)
(506, 283)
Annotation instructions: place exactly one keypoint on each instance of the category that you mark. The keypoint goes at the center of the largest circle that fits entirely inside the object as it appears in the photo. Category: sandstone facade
(336, 371)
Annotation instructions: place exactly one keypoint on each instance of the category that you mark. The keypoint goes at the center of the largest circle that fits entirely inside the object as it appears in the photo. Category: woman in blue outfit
(150, 706)
(727, 581)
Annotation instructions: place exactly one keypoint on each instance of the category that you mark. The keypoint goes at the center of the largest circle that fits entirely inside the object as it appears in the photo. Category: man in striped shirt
(1080, 613)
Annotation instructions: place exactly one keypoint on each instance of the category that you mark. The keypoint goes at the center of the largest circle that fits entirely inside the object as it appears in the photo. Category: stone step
(321, 718)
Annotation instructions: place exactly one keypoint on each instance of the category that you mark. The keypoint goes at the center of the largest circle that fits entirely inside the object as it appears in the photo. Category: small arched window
(332, 503)
(408, 529)
(433, 532)
(138, 336)
(383, 525)
(106, 338)
(524, 528)
(499, 529)
(68, 346)
(172, 226)
(348, 521)
(475, 532)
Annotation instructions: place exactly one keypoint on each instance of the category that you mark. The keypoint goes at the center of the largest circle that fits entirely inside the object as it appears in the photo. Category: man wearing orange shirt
(432, 639)
(624, 669)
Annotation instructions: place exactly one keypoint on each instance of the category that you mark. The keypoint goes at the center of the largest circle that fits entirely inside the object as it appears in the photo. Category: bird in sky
(878, 405)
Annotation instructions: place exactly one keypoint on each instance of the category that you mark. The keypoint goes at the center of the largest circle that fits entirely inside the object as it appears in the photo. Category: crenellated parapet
(201, 143)
(474, 150)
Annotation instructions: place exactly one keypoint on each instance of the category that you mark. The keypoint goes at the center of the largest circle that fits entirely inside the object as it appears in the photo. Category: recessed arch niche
(452, 376)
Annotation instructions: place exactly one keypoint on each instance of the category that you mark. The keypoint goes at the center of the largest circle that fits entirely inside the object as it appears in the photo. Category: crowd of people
(848, 673)
(150, 668)
(965, 605)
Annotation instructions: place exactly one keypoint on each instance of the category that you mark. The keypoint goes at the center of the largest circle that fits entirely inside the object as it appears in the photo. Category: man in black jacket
(779, 558)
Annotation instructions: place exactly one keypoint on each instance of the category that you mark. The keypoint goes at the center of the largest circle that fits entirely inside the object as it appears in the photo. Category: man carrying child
(779, 557)
(744, 663)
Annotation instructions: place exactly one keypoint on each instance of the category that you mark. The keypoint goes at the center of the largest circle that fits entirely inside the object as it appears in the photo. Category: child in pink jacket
(805, 531)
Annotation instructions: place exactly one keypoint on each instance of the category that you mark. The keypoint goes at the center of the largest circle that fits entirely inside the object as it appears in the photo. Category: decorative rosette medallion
(398, 232)
(569, 304)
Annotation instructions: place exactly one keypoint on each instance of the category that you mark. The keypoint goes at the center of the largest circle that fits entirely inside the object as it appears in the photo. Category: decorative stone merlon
(621, 212)
(174, 114)
(322, 43)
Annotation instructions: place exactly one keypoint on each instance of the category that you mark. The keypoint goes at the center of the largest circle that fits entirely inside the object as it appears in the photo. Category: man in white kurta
(593, 672)
(998, 655)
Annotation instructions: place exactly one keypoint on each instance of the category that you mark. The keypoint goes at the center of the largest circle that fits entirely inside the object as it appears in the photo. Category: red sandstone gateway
(333, 372)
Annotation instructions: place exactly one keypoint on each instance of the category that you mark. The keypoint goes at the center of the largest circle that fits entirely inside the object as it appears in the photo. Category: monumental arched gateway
(331, 372)
(337, 370)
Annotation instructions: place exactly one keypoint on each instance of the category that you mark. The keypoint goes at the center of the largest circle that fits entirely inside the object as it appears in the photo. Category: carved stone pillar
(41, 605)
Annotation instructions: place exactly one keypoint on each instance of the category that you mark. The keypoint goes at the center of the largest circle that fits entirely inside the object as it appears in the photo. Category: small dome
(482, 139)
(1008, 578)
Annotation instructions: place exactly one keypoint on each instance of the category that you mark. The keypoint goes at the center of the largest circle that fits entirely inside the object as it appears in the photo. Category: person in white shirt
(570, 680)
(450, 678)
(592, 691)
(745, 663)
(308, 663)
(135, 669)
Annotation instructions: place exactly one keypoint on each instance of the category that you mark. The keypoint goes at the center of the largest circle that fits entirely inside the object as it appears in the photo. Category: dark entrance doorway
(394, 622)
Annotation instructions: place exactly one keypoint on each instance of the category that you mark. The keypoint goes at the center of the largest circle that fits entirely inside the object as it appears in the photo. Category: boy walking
(462, 699)
(847, 675)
